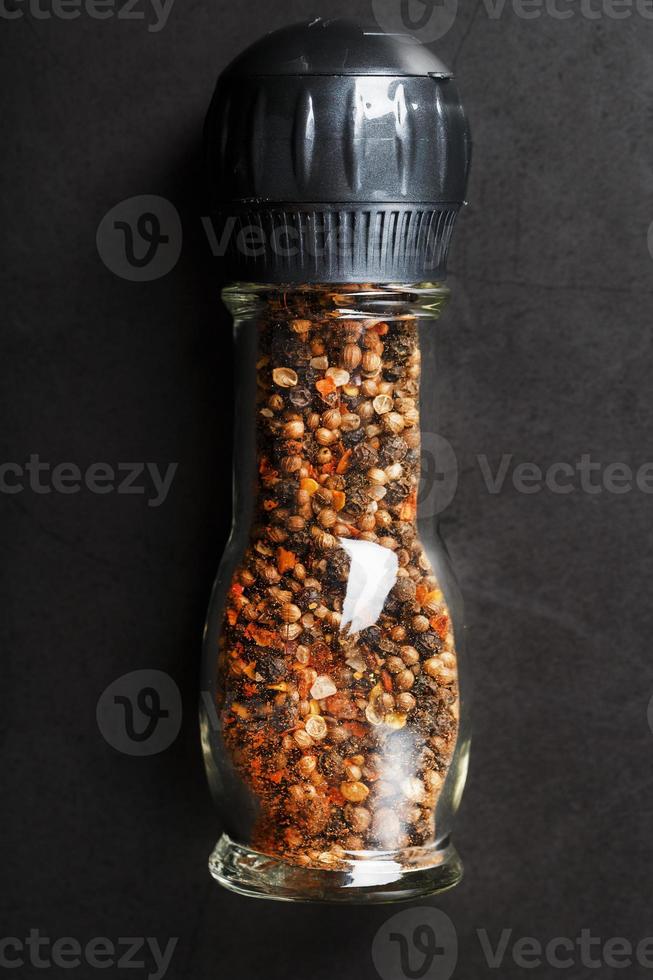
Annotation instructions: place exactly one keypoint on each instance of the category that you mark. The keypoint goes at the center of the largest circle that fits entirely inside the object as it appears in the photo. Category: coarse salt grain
(323, 687)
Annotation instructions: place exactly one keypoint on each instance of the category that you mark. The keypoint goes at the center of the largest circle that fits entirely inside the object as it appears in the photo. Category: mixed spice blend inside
(337, 680)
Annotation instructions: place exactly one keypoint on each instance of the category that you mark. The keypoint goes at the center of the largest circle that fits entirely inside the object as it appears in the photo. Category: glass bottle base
(380, 878)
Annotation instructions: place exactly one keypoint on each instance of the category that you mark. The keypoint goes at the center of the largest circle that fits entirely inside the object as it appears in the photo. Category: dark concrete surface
(544, 353)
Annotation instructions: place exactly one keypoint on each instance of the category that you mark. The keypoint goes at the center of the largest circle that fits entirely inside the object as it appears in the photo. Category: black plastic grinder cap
(336, 153)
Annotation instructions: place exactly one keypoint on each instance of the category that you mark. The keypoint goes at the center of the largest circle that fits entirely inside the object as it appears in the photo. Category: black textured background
(544, 353)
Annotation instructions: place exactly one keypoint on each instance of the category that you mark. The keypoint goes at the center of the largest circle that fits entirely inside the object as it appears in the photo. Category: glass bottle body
(334, 732)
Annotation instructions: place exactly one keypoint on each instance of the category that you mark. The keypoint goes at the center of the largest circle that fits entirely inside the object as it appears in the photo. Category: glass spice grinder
(333, 722)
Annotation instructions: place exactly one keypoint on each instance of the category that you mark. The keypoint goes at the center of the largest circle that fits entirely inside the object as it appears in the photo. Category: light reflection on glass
(372, 574)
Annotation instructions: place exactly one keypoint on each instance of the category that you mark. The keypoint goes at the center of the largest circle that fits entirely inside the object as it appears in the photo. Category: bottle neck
(360, 301)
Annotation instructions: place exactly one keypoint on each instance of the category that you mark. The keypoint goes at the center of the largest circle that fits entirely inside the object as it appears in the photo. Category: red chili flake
(386, 680)
(409, 507)
(305, 682)
(335, 796)
(285, 560)
(326, 386)
(321, 657)
(441, 625)
(355, 728)
(340, 706)
(263, 637)
(343, 462)
(421, 593)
